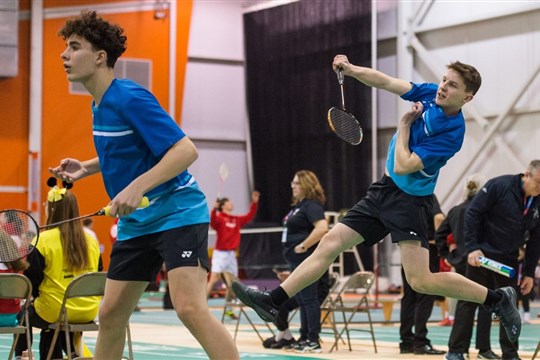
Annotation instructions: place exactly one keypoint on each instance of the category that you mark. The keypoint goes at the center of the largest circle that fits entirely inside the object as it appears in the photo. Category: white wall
(214, 108)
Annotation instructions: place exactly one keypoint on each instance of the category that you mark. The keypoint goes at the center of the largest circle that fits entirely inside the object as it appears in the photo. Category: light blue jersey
(132, 133)
(435, 138)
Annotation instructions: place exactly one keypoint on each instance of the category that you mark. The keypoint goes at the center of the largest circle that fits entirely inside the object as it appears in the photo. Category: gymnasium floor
(158, 334)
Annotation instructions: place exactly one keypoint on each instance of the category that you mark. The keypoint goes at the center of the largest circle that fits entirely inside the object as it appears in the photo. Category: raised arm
(405, 161)
(371, 77)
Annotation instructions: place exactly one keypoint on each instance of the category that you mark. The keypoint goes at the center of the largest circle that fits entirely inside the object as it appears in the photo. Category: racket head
(19, 233)
(345, 126)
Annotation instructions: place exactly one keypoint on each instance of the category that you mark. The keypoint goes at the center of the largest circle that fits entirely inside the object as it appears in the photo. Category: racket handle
(497, 267)
(107, 209)
(340, 75)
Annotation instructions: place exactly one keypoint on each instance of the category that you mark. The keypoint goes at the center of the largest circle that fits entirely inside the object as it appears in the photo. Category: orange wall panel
(14, 100)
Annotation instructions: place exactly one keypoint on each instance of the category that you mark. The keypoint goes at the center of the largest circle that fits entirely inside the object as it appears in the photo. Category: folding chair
(536, 351)
(349, 306)
(17, 286)
(231, 302)
(85, 285)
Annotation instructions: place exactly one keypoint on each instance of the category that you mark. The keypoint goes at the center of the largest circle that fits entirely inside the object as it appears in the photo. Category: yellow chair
(17, 286)
(89, 284)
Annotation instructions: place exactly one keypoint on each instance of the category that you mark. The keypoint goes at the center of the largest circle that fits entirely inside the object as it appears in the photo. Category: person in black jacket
(456, 255)
(501, 218)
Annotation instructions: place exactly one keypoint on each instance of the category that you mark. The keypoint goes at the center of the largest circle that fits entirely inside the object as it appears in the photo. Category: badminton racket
(498, 267)
(19, 232)
(342, 122)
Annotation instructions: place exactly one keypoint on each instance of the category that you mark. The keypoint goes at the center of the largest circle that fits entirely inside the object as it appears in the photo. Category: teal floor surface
(384, 332)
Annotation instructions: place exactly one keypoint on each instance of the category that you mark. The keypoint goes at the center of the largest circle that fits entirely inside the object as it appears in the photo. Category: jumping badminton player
(141, 152)
(428, 135)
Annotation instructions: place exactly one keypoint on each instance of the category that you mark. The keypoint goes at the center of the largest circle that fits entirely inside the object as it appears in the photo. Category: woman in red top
(227, 228)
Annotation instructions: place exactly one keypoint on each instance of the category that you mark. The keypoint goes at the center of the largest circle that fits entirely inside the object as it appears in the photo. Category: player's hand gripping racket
(342, 122)
(18, 230)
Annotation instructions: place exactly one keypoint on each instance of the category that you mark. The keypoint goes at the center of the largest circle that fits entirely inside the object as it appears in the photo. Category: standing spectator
(304, 226)
(501, 218)
(450, 239)
(227, 228)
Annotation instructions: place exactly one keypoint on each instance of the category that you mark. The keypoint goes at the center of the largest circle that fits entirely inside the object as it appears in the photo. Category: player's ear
(101, 57)
(468, 98)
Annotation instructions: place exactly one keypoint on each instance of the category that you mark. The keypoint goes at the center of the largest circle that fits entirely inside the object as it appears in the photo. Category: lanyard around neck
(527, 204)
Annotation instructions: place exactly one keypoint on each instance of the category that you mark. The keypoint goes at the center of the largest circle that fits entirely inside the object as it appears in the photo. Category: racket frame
(354, 121)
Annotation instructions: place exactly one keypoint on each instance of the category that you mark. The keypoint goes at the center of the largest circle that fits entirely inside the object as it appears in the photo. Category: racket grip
(107, 209)
(340, 75)
(497, 267)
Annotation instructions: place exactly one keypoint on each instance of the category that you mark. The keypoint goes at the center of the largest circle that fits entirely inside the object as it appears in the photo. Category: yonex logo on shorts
(413, 233)
(186, 254)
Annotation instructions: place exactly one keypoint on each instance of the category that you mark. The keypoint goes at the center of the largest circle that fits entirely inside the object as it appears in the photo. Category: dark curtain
(291, 86)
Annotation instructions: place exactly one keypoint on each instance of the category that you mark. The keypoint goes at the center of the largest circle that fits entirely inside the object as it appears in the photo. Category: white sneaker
(526, 318)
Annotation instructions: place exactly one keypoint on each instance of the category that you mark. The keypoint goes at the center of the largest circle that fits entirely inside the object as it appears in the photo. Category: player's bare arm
(179, 157)
(371, 77)
(406, 162)
(72, 169)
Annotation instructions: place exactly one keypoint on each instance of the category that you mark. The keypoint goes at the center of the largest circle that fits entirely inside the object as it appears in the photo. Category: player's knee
(328, 248)
(109, 318)
(418, 283)
(188, 313)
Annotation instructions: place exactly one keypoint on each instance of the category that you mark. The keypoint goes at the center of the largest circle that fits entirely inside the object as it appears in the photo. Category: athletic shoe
(508, 313)
(446, 322)
(526, 318)
(427, 349)
(488, 354)
(297, 344)
(280, 344)
(455, 356)
(267, 343)
(260, 301)
(308, 346)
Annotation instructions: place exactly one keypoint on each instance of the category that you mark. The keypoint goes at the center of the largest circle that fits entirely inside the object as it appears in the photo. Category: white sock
(287, 335)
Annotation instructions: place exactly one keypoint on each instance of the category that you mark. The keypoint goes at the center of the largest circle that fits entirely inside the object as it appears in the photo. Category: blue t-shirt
(435, 138)
(132, 133)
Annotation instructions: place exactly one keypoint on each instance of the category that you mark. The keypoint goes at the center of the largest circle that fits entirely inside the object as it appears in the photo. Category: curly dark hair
(98, 32)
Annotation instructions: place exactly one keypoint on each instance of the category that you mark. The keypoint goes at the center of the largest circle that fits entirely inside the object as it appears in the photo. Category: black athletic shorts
(386, 209)
(141, 258)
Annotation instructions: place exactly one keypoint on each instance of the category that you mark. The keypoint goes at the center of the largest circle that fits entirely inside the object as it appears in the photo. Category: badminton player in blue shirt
(141, 151)
(429, 134)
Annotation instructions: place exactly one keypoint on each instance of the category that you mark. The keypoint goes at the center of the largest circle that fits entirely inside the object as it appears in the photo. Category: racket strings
(345, 126)
(16, 235)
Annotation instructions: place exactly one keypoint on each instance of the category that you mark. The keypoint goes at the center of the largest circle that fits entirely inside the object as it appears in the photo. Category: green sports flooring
(388, 333)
